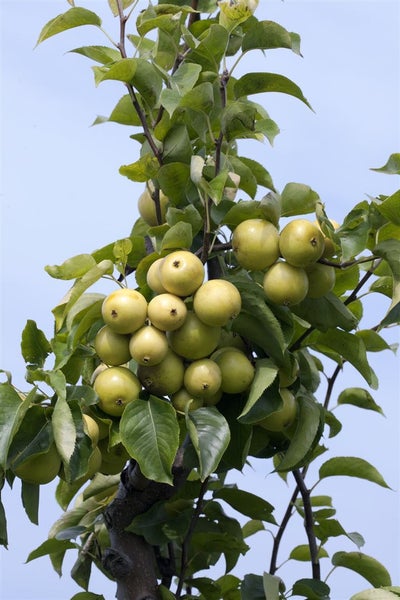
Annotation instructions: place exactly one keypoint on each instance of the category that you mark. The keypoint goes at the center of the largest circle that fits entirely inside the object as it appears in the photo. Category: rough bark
(130, 559)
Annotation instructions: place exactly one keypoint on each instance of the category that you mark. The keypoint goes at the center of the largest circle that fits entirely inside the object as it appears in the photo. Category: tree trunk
(131, 560)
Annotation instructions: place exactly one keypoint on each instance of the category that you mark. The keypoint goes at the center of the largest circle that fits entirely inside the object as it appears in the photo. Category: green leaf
(81, 570)
(390, 251)
(377, 594)
(298, 199)
(257, 323)
(87, 596)
(173, 179)
(150, 433)
(366, 566)
(142, 170)
(211, 49)
(312, 589)
(252, 588)
(302, 553)
(260, 173)
(265, 374)
(178, 236)
(101, 54)
(326, 312)
(246, 503)
(74, 17)
(350, 347)
(272, 585)
(30, 500)
(72, 268)
(252, 527)
(12, 412)
(210, 435)
(392, 166)
(35, 348)
(200, 98)
(185, 77)
(359, 397)
(306, 435)
(351, 466)
(115, 11)
(265, 35)
(390, 208)
(248, 181)
(124, 112)
(105, 267)
(257, 83)
(50, 547)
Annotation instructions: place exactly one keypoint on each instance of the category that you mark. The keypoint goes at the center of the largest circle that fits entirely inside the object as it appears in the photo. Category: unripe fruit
(202, 378)
(281, 419)
(116, 387)
(91, 429)
(181, 273)
(40, 469)
(329, 248)
(213, 400)
(148, 345)
(216, 302)
(112, 348)
(124, 310)
(321, 280)
(194, 339)
(163, 379)
(182, 398)
(231, 339)
(237, 372)
(167, 312)
(255, 243)
(153, 277)
(285, 284)
(101, 367)
(301, 243)
(147, 206)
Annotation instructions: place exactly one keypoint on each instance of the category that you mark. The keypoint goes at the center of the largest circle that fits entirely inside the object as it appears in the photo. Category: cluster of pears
(179, 339)
(288, 258)
(44, 467)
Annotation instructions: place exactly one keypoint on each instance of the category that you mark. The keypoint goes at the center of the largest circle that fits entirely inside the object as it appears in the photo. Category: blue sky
(62, 195)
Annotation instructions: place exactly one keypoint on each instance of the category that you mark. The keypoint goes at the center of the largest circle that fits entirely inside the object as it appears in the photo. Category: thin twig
(186, 542)
(308, 523)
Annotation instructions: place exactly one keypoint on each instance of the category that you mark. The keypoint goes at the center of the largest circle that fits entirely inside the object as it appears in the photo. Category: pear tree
(234, 307)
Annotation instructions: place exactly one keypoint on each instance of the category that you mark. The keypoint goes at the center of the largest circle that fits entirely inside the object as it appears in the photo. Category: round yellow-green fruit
(165, 378)
(111, 347)
(217, 302)
(255, 243)
(91, 428)
(281, 419)
(203, 378)
(41, 468)
(194, 339)
(167, 311)
(124, 310)
(147, 206)
(321, 279)
(116, 387)
(113, 459)
(285, 284)
(148, 345)
(301, 243)
(181, 273)
(182, 399)
(153, 277)
(237, 372)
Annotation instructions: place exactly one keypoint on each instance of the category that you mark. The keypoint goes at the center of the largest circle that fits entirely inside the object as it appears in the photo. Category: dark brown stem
(361, 283)
(282, 527)
(186, 542)
(121, 47)
(308, 523)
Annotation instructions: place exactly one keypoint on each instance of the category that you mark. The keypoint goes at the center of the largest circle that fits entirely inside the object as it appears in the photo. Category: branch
(308, 523)
(188, 537)
(278, 538)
